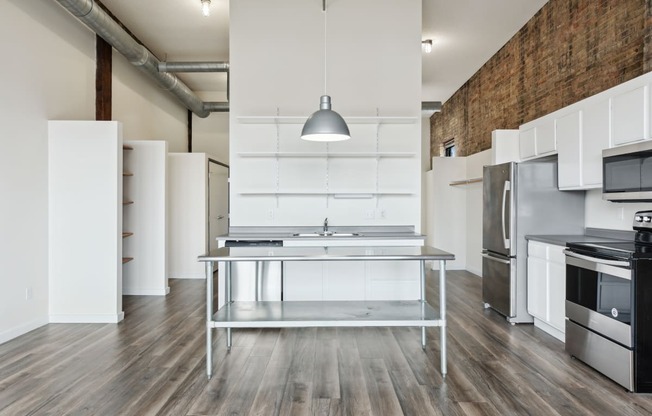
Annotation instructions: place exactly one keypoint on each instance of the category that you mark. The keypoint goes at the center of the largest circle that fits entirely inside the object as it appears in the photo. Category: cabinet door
(545, 142)
(628, 118)
(537, 288)
(568, 144)
(595, 138)
(557, 295)
(527, 139)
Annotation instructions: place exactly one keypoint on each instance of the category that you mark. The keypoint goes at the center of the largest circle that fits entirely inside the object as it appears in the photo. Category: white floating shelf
(336, 194)
(330, 155)
(302, 119)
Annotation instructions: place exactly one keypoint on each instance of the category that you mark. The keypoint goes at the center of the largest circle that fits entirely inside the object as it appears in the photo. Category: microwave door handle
(597, 260)
(506, 187)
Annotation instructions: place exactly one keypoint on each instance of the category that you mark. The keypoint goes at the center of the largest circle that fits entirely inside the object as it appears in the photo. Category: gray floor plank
(153, 363)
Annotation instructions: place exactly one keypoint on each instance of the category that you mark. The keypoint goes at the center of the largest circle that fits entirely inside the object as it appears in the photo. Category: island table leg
(228, 300)
(442, 313)
(422, 288)
(209, 319)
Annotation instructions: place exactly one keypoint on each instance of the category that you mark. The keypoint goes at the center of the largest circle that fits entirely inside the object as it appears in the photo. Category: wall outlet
(369, 214)
(29, 293)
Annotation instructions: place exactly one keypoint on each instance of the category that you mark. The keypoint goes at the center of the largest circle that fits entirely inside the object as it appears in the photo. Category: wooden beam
(103, 78)
(189, 131)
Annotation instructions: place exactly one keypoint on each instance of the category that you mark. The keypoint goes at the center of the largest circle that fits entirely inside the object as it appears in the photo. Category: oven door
(599, 296)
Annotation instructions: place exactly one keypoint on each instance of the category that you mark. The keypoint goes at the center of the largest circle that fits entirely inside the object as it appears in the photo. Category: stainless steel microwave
(627, 173)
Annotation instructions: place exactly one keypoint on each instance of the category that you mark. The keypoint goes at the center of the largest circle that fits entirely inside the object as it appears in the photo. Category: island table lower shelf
(303, 314)
(294, 314)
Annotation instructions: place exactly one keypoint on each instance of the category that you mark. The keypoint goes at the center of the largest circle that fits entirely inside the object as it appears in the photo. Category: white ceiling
(466, 34)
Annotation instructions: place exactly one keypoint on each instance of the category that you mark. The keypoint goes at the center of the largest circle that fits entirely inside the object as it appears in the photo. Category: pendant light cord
(325, 59)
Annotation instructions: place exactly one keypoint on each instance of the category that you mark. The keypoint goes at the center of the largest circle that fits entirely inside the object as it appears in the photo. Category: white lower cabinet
(546, 291)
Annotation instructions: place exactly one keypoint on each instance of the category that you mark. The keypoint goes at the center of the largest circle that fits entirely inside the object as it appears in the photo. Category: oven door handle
(597, 260)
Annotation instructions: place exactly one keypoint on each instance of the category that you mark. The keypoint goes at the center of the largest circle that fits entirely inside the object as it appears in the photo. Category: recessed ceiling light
(206, 7)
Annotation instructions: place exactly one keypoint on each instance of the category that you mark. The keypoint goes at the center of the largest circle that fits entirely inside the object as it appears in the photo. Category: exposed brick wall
(570, 50)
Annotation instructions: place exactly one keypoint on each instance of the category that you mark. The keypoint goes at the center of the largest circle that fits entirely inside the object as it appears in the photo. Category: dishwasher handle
(253, 243)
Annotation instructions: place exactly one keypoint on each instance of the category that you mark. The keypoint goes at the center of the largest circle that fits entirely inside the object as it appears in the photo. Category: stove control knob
(638, 218)
(647, 219)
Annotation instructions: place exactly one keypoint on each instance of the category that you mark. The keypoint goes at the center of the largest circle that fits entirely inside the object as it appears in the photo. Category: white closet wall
(85, 221)
(146, 274)
(187, 214)
(454, 204)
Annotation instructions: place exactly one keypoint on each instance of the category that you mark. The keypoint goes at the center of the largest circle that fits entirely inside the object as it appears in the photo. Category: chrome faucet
(326, 225)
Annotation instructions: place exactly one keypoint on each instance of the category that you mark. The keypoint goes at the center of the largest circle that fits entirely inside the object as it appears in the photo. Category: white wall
(447, 209)
(210, 135)
(146, 218)
(48, 73)
(278, 62)
(474, 165)
(146, 111)
(455, 212)
(34, 32)
(610, 215)
(85, 221)
(187, 194)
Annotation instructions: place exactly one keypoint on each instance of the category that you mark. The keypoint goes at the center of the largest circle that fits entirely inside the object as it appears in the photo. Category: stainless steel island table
(266, 314)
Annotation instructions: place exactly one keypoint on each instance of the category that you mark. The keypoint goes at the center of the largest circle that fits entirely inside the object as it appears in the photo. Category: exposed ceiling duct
(193, 67)
(428, 108)
(216, 107)
(103, 24)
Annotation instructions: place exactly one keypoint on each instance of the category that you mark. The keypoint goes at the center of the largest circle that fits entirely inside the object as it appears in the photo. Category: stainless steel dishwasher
(256, 280)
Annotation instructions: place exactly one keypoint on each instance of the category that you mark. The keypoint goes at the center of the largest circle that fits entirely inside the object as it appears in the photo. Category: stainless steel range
(609, 306)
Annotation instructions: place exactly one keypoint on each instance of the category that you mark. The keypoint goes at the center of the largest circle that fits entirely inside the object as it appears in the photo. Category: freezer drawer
(498, 286)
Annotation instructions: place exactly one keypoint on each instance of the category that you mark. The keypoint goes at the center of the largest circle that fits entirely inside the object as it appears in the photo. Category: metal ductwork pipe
(193, 67)
(101, 23)
(216, 107)
(428, 108)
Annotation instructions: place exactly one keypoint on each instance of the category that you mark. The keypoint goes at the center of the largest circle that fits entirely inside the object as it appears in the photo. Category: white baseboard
(544, 326)
(22, 329)
(145, 291)
(96, 318)
(188, 276)
(477, 272)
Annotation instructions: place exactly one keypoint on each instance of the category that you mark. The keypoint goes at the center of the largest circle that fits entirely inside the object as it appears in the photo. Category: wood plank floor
(153, 363)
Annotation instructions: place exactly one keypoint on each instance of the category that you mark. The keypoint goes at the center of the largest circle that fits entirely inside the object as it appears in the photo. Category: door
(496, 211)
(498, 286)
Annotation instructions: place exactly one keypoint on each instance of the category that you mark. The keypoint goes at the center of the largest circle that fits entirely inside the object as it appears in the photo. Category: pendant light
(325, 125)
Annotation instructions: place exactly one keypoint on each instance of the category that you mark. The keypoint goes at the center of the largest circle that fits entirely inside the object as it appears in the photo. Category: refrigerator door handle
(492, 258)
(506, 187)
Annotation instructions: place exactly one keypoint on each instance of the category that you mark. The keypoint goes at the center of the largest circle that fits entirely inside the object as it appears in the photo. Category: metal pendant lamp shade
(325, 125)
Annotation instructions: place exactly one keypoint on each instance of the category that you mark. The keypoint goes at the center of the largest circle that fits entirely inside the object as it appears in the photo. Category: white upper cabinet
(595, 137)
(628, 116)
(537, 139)
(580, 132)
(527, 147)
(568, 129)
(546, 142)
(581, 136)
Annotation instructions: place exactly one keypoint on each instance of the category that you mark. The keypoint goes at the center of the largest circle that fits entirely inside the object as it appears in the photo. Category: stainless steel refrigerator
(520, 199)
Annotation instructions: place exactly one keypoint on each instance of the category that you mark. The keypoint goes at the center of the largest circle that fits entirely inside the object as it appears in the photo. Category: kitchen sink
(326, 234)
